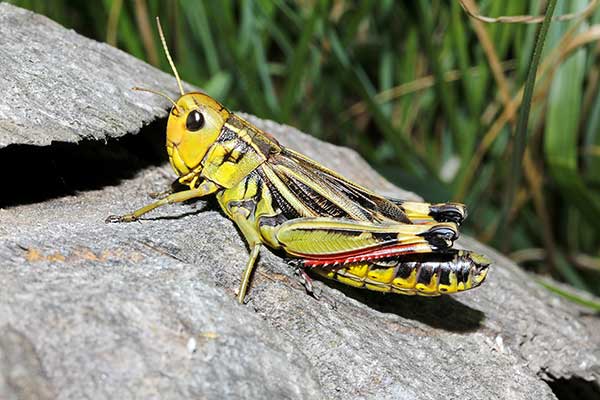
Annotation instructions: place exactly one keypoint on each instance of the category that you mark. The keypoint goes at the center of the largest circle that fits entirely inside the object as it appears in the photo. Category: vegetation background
(428, 94)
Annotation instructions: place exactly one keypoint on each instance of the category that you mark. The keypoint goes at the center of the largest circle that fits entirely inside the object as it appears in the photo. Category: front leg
(205, 188)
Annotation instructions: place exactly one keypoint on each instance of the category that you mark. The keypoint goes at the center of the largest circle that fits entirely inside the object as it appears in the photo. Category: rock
(58, 86)
(148, 309)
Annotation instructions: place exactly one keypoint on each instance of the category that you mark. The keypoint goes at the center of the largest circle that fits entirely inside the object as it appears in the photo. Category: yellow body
(284, 200)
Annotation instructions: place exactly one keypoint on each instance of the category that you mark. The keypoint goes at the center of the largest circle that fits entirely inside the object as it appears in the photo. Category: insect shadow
(60, 169)
(443, 312)
(173, 216)
(197, 207)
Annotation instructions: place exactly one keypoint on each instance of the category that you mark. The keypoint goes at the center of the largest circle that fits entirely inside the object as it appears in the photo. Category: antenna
(164, 43)
(139, 89)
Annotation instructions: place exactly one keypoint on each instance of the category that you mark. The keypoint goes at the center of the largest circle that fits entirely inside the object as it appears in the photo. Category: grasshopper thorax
(194, 124)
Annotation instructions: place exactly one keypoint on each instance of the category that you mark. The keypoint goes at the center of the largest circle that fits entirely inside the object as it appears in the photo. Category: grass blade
(520, 137)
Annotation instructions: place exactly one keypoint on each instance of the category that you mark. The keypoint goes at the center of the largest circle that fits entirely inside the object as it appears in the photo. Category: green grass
(410, 85)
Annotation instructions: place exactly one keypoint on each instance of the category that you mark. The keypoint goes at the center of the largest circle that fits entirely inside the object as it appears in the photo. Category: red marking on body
(360, 255)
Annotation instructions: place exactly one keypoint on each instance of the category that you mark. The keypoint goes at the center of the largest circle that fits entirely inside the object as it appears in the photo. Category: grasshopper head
(194, 124)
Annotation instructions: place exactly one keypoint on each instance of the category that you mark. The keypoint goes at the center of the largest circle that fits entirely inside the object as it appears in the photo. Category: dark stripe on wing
(278, 201)
(316, 202)
(376, 208)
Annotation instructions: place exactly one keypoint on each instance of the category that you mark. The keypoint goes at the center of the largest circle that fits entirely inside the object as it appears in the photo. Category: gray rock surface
(59, 86)
(147, 309)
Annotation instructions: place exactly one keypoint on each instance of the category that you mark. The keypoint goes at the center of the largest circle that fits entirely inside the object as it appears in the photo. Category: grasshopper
(325, 223)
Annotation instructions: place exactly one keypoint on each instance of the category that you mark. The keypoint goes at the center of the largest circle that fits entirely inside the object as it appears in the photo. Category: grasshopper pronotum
(324, 222)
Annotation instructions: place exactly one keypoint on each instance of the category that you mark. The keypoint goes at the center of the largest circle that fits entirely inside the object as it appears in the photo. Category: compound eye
(194, 121)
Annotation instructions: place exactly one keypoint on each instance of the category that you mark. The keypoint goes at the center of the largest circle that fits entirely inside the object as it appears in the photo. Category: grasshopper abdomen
(429, 274)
